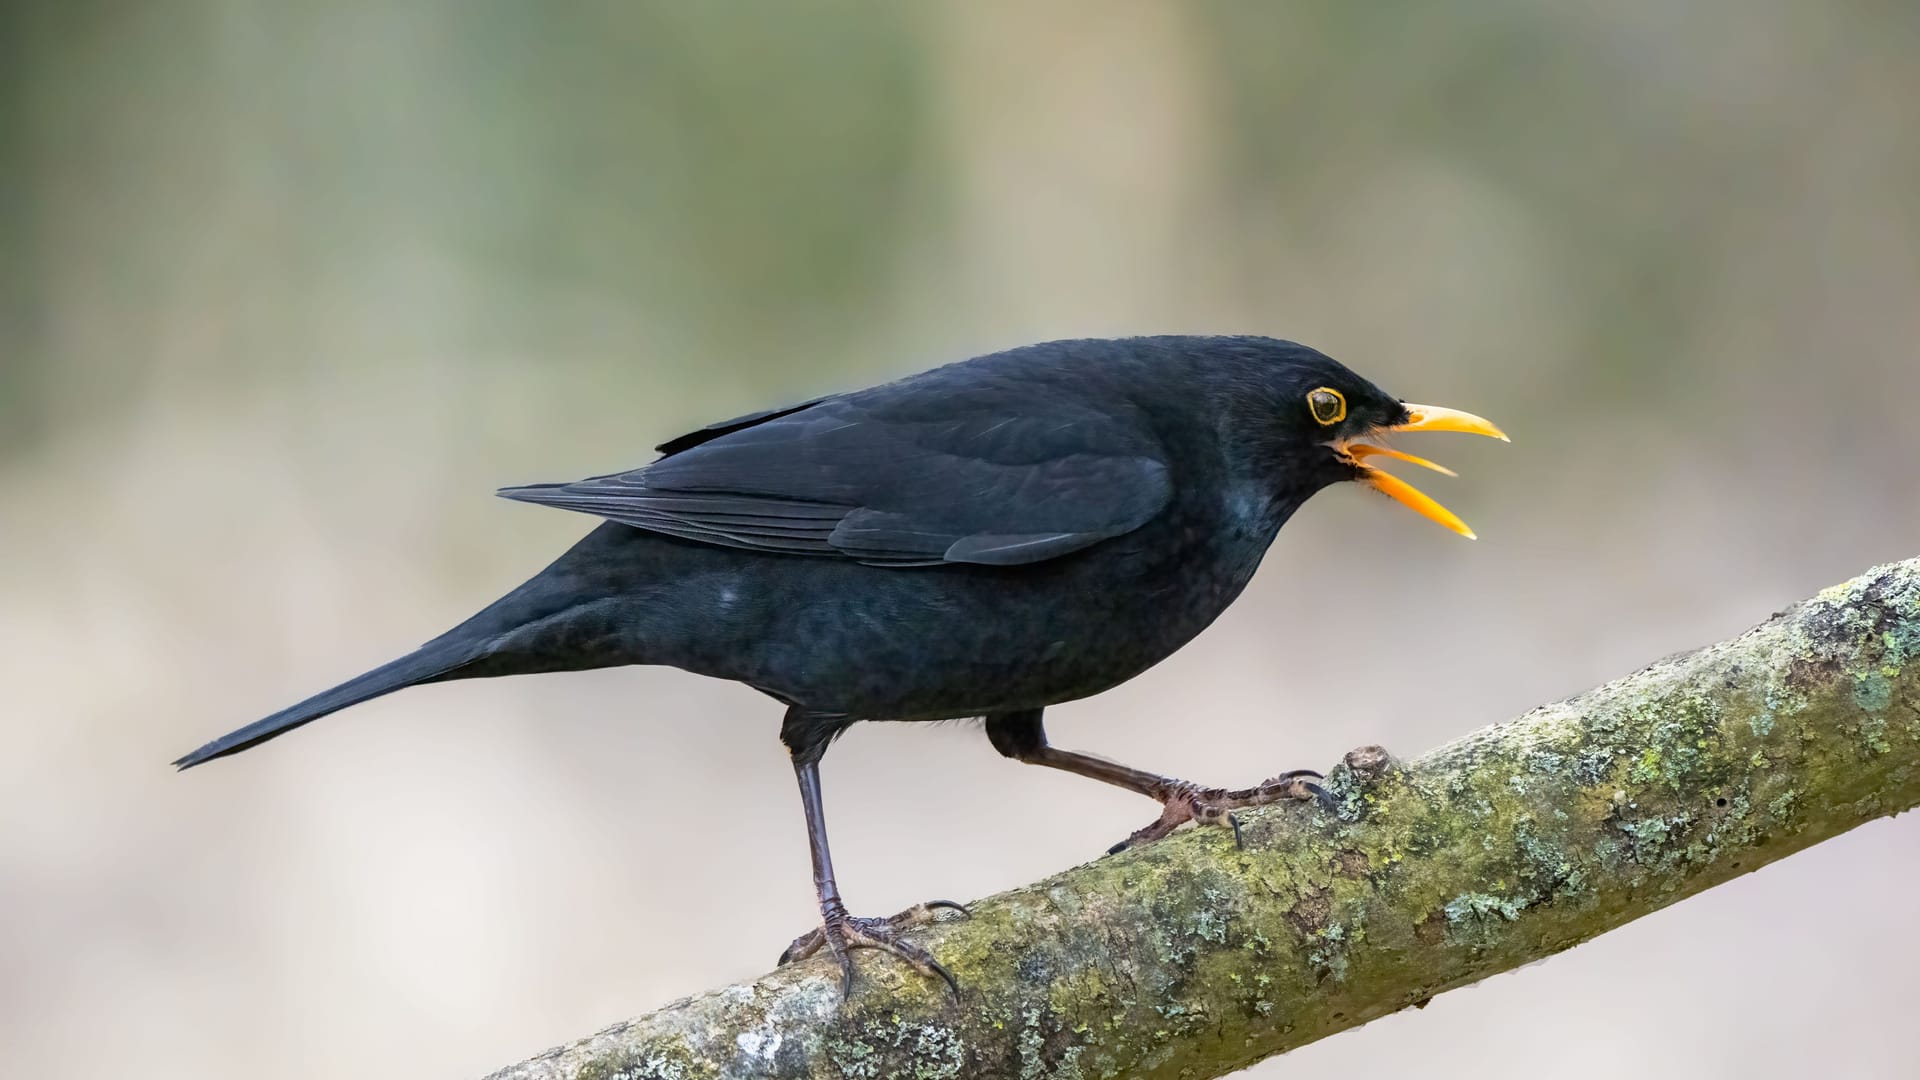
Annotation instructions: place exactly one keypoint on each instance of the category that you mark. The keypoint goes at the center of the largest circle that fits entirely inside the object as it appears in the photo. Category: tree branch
(1190, 958)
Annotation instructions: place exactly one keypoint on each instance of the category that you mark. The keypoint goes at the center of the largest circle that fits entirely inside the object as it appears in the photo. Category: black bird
(984, 539)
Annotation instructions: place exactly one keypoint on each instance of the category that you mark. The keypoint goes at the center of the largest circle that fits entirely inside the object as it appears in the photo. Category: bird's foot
(840, 933)
(1186, 802)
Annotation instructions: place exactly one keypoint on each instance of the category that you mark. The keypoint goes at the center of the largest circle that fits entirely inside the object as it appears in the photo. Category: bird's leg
(1019, 735)
(840, 933)
(1182, 800)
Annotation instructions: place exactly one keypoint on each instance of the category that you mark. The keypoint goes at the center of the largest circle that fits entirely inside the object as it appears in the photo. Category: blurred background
(287, 290)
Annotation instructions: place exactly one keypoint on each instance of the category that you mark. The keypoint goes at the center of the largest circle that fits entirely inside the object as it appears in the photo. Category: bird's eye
(1328, 406)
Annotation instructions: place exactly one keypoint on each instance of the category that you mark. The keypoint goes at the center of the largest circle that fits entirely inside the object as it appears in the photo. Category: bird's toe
(1183, 802)
(803, 946)
(839, 934)
(922, 914)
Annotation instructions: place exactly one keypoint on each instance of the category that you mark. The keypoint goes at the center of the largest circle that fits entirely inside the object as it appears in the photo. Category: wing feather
(997, 475)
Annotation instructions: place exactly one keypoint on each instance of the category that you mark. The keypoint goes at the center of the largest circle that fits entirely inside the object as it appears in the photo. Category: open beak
(1421, 418)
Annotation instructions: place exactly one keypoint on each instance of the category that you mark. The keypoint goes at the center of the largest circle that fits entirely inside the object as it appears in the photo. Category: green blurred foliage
(659, 157)
(549, 200)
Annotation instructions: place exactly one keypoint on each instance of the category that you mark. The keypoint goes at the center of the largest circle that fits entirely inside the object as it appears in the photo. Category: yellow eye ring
(1328, 406)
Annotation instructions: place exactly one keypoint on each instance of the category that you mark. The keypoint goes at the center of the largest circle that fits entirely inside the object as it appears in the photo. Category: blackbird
(981, 540)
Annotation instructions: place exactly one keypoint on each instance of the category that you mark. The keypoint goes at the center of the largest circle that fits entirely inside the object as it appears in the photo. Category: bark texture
(1191, 959)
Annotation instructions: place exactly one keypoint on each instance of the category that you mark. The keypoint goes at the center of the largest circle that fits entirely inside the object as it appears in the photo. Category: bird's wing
(903, 476)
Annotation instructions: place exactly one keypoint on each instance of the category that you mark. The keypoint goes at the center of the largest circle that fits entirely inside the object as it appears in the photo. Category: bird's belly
(947, 642)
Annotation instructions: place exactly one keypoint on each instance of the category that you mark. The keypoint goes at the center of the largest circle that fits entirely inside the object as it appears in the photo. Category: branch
(1189, 958)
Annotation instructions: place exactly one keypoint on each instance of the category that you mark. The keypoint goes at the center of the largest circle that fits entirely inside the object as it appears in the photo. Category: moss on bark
(1191, 958)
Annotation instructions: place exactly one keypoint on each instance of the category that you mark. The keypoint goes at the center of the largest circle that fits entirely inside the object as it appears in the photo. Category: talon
(922, 914)
(940, 969)
(846, 977)
(1234, 820)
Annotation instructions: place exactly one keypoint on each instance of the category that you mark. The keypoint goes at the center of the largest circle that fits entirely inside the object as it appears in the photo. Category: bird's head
(1317, 413)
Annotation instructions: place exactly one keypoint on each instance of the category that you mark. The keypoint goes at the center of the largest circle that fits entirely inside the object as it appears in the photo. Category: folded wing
(899, 476)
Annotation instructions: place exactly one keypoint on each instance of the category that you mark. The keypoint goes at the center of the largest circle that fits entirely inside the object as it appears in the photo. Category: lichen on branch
(1191, 958)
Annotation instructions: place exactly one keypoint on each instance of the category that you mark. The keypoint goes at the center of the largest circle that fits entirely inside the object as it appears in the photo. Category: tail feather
(432, 661)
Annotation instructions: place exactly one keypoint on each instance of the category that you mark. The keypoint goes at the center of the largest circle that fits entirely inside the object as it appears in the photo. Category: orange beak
(1422, 418)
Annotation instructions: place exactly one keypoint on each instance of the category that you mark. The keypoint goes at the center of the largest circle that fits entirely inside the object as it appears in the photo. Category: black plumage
(980, 540)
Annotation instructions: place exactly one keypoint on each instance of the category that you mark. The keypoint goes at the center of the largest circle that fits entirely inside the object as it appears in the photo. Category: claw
(844, 956)
(953, 984)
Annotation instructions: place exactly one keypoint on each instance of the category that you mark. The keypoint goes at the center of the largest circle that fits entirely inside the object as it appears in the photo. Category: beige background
(286, 290)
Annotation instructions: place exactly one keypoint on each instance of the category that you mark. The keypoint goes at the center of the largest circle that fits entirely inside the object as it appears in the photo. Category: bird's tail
(435, 660)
